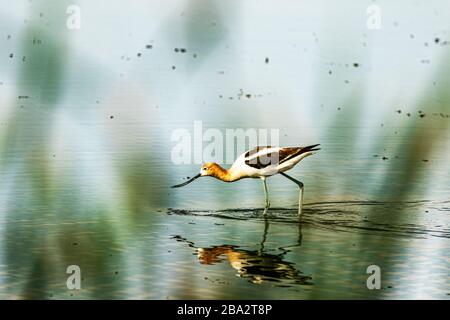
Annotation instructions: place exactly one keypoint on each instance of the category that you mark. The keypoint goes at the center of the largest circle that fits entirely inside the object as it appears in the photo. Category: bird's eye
(205, 168)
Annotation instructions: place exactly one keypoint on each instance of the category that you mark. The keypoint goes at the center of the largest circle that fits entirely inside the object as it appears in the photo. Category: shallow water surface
(87, 123)
(229, 254)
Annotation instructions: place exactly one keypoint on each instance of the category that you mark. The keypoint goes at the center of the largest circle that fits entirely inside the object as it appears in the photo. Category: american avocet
(260, 162)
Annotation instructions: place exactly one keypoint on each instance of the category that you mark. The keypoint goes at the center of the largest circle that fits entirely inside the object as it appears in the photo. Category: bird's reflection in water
(256, 265)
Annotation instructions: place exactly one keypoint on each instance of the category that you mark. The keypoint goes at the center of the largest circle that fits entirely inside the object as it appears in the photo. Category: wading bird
(260, 162)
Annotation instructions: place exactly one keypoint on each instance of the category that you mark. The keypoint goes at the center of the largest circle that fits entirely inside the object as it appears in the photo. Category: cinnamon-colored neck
(223, 174)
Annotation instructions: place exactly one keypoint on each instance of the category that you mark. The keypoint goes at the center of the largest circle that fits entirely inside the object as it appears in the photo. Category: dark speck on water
(149, 46)
(399, 111)
(385, 158)
(422, 115)
(436, 40)
(11, 55)
(111, 117)
(356, 65)
(267, 60)
(139, 54)
(36, 41)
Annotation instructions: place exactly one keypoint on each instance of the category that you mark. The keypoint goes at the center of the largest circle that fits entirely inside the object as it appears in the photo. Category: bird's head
(207, 169)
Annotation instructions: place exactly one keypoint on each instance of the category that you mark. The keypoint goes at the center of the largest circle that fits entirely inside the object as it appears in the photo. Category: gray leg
(266, 196)
(301, 186)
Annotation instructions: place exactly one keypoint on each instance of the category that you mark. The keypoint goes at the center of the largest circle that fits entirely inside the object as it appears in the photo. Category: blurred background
(91, 92)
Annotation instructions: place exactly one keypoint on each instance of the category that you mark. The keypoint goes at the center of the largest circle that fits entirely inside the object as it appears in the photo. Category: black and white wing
(263, 157)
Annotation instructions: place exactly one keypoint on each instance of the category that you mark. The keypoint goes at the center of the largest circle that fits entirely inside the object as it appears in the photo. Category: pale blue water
(87, 116)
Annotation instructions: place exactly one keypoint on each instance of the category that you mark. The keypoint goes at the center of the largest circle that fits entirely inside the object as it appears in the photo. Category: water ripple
(387, 218)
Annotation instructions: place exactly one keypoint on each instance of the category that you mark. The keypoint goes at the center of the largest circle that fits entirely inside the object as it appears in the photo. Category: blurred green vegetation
(95, 227)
